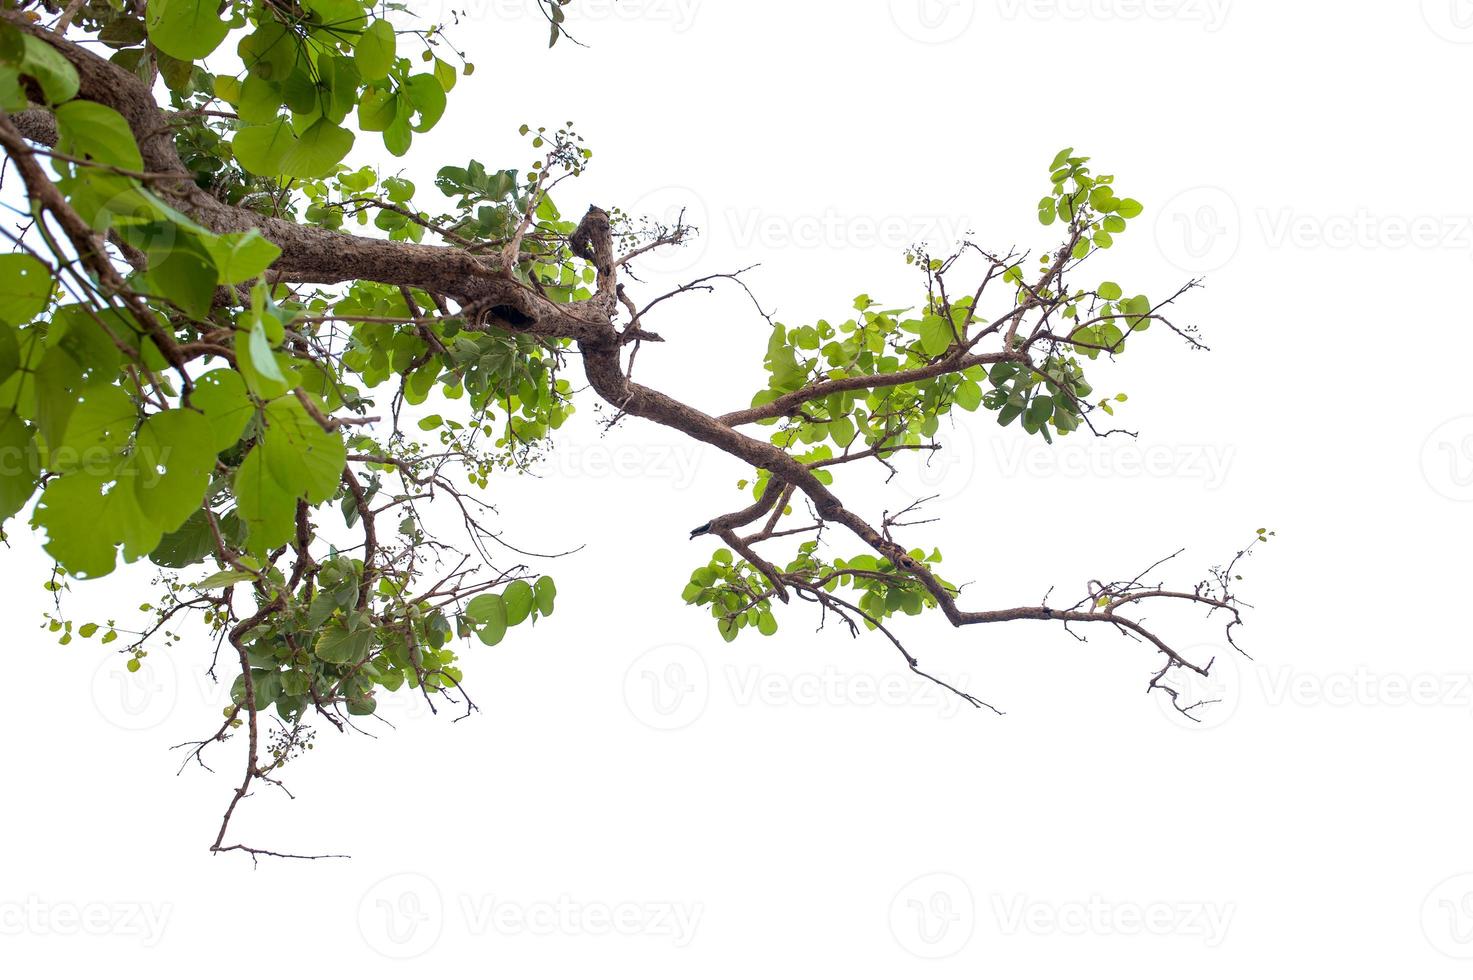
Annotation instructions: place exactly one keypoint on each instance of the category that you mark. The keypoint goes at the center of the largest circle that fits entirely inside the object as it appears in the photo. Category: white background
(759, 806)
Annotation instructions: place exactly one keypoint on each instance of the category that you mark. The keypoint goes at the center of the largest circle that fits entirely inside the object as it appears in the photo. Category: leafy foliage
(201, 369)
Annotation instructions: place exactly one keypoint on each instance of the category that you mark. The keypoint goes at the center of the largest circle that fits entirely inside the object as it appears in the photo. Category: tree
(200, 367)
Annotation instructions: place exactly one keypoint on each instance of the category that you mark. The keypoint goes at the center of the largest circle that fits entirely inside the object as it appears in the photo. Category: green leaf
(936, 335)
(519, 601)
(544, 591)
(377, 110)
(56, 76)
(490, 612)
(18, 471)
(427, 98)
(302, 457)
(183, 271)
(186, 29)
(444, 74)
(969, 395)
(175, 461)
(317, 151)
(193, 541)
(97, 429)
(295, 459)
(256, 359)
(338, 645)
(273, 150)
(241, 256)
(1109, 291)
(25, 288)
(221, 395)
(374, 52)
(10, 360)
(92, 131)
(268, 510)
(87, 514)
(224, 577)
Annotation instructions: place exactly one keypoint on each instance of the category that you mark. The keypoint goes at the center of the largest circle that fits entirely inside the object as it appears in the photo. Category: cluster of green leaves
(740, 596)
(72, 375)
(1087, 202)
(192, 467)
(331, 642)
(306, 69)
(1046, 396)
(737, 593)
(887, 417)
(490, 614)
